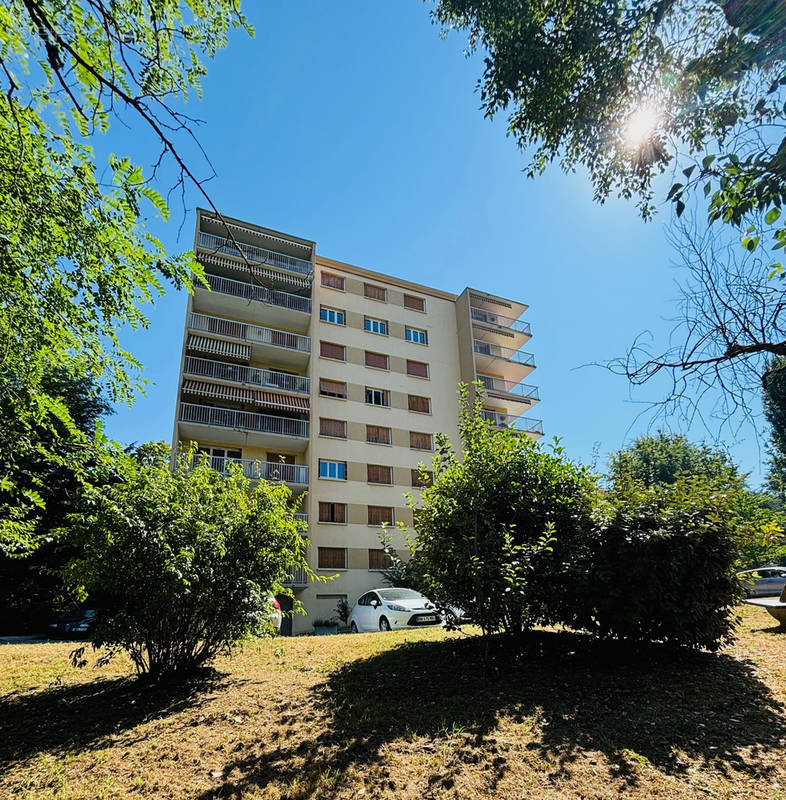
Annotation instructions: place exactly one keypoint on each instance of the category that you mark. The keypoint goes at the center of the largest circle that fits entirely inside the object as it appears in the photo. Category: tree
(495, 528)
(775, 413)
(30, 589)
(181, 559)
(662, 458)
(77, 259)
(629, 89)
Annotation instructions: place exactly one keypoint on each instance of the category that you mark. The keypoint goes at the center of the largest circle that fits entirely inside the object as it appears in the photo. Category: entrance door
(286, 619)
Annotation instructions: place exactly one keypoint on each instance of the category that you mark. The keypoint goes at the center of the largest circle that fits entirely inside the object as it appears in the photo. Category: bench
(775, 605)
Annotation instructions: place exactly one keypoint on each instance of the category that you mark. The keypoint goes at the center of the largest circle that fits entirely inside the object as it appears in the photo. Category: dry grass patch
(417, 714)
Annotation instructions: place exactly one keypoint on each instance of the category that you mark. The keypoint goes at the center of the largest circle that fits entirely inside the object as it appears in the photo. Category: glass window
(416, 335)
(332, 512)
(333, 281)
(333, 315)
(377, 397)
(335, 470)
(374, 325)
(330, 388)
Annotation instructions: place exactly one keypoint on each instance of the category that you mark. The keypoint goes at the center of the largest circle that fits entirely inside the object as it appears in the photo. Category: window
(334, 470)
(419, 480)
(376, 434)
(334, 315)
(333, 427)
(420, 404)
(329, 388)
(333, 281)
(332, 558)
(417, 368)
(416, 303)
(377, 360)
(378, 559)
(333, 512)
(375, 292)
(219, 458)
(330, 350)
(377, 473)
(377, 397)
(416, 335)
(420, 441)
(374, 325)
(377, 515)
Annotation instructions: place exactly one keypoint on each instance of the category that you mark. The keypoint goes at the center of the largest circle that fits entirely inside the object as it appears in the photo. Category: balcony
(508, 363)
(495, 351)
(254, 254)
(273, 471)
(297, 578)
(522, 424)
(268, 344)
(242, 427)
(527, 393)
(490, 318)
(254, 376)
(301, 517)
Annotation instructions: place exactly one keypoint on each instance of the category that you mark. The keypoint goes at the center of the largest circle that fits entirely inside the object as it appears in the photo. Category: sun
(641, 125)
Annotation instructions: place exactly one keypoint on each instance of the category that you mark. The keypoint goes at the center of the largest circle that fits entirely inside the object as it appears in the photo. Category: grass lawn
(405, 715)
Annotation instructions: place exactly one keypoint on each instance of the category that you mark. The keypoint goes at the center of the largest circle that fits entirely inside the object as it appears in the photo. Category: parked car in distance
(74, 623)
(763, 582)
(391, 609)
(275, 613)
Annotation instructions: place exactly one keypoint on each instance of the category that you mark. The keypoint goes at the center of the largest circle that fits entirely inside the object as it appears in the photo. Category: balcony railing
(259, 255)
(250, 333)
(524, 390)
(263, 470)
(243, 420)
(297, 577)
(495, 351)
(261, 294)
(490, 318)
(508, 421)
(301, 517)
(223, 371)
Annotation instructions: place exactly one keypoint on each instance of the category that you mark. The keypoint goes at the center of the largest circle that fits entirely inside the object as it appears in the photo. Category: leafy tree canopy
(76, 257)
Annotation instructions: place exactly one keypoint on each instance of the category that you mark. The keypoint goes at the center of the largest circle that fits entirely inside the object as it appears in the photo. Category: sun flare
(641, 125)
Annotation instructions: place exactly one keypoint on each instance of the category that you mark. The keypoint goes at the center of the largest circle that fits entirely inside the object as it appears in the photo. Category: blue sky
(356, 125)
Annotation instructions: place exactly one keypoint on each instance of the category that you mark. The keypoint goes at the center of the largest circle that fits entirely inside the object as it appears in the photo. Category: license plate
(428, 618)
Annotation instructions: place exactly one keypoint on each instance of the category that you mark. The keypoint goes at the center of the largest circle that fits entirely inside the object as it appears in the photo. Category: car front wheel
(384, 625)
(353, 627)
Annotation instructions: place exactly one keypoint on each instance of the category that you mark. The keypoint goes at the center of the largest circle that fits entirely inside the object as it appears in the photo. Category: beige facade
(335, 379)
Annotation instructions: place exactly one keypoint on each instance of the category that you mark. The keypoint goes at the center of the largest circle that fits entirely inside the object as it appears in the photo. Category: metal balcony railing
(249, 332)
(507, 421)
(261, 294)
(490, 318)
(301, 517)
(297, 577)
(243, 420)
(524, 390)
(495, 351)
(263, 470)
(259, 255)
(254, 376)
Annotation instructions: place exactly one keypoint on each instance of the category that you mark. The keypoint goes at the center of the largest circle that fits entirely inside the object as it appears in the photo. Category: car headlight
(396, 607)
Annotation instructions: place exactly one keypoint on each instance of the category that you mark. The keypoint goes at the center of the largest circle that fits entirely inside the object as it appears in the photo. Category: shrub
(660, 567)
(182, 559)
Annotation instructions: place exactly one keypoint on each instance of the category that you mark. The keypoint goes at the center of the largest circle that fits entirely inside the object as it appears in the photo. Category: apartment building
(335, 379)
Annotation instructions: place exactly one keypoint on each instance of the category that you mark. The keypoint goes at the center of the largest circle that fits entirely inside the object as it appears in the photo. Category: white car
(391, 609)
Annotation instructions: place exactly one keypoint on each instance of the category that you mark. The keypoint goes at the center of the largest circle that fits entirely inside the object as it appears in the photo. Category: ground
(410, 714)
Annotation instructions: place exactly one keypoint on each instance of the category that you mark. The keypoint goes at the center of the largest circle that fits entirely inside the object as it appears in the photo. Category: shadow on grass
(60, 719)
(657, 706)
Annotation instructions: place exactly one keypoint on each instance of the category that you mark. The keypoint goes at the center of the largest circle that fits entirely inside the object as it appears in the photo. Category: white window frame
(370, 322)
(337, 465)
(410, 335)
(336, 312)
(383, 404)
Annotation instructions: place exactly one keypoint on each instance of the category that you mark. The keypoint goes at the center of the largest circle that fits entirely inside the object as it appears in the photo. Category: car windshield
(399, 594)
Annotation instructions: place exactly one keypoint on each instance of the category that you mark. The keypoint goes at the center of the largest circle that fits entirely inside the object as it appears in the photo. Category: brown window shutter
(333, 427)
(378, 360)
(420, 441)
(418, 403)
(332, 388)
(417, 368)
(330, 350)
(377, 434)
(375, 292)
(418, 303)
(417, 479)
(332, 512)
(333, 281)
(379, 514)
(377, 473)
(332, 558)
(378, 559)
